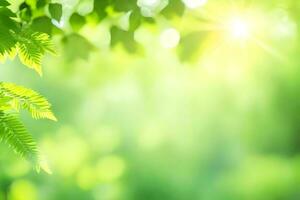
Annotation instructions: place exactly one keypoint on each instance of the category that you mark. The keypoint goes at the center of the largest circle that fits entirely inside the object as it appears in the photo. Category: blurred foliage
(161, 100)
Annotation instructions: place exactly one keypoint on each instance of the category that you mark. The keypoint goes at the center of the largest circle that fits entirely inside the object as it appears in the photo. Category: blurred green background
(151, 126)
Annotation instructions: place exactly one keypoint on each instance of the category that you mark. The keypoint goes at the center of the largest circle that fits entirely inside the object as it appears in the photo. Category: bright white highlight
(59, 24)
(239, 28)
(194, 3)
(149, 8)
(169, 38)
(150, 2)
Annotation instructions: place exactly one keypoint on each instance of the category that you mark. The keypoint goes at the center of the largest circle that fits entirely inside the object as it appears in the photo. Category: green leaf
(42, 3)
(174, 8)
(7, 35)
(24, 98)
(6, 12)
(125, 5)
(6, 21)
(77, 21)
(31, 3)
(100, 8)
(76, 46)
(4, 3)
(7, 44)
(25, 12)
(42, 24)
(126, 38)
(14, 133)
(190, 45)
(5, 103)
(135, 19)
(55, 10)
(31, 48)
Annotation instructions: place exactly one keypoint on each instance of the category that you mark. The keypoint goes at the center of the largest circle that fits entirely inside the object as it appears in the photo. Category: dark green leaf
(55, 10)
(4, 3)
(100, 8)
(42, 3)
(76, 46)
(77, 21)
(126, 38)
(7, 12)
(42, 24)
(135, 20)
(23, 5)
(174, 8)
(25, 12)
(125, 5)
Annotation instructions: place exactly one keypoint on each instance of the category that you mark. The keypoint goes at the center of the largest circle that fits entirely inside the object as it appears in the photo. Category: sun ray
(269, 49)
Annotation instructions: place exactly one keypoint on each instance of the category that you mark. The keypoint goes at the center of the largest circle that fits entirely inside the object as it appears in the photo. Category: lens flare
(239, 28)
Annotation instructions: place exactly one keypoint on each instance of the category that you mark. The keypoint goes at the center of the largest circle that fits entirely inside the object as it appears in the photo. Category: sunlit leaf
(13, 132)
(31, 48)
(24, 98)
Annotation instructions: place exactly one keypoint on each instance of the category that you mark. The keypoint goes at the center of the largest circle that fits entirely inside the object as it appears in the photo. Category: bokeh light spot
(23, 190)
(110, 168)
(194, 3)
(86, 178)
(169, 38)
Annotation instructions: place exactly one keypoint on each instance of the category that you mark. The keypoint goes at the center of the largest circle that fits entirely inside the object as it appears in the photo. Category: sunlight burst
(239, 28)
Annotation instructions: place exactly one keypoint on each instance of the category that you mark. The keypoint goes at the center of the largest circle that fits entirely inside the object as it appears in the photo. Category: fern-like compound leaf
(14, 39)
(13, 132)
(24, 98)
(31, 48)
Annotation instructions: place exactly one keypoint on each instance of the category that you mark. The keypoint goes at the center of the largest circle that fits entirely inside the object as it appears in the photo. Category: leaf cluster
(67, 20)
(14, 98)
(19, 39)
